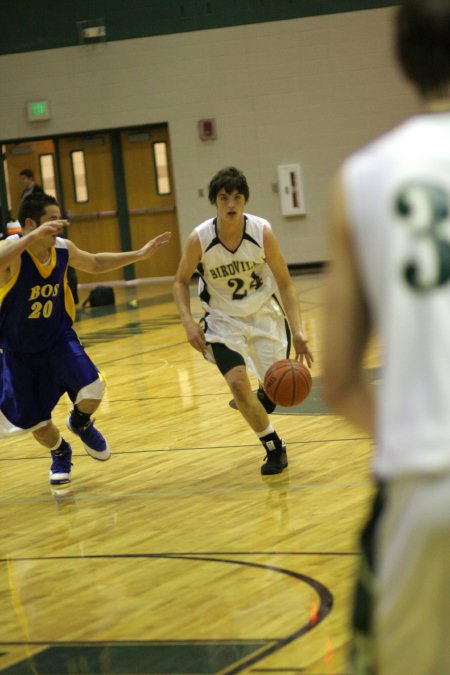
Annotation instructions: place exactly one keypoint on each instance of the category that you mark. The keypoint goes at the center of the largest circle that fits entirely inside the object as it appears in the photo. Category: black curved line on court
(325, 595)
(197, 555)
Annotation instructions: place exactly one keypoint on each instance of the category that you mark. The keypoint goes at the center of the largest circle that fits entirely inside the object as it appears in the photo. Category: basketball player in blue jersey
(41, 357)
(242, 271)
(391, 277)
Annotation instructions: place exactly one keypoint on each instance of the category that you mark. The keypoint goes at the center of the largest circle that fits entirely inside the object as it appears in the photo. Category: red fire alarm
(207, 129)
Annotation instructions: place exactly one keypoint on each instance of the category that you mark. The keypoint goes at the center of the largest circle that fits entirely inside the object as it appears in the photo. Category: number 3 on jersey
(425, 209)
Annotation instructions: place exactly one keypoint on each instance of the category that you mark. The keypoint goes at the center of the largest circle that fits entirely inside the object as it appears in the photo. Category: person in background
(29, 185)
(390, 277)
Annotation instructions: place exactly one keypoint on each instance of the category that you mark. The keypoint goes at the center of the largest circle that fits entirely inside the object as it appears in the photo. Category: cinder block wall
(307, 90)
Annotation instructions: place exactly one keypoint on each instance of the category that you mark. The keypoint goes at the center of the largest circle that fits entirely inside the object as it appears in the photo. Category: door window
(47, 168)
(79, 176)
(161, 168)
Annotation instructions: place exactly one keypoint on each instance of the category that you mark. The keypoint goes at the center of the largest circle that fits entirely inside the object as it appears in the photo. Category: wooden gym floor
(177, 556)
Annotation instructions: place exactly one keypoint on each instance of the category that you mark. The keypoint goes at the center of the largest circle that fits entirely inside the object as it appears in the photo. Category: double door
(116, 188)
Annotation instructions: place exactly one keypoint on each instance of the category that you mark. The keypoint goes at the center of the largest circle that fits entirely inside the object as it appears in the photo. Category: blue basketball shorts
(32, 384)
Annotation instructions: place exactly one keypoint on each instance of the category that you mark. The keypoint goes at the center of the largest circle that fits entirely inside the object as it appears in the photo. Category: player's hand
(302, 351)
(195, 336)
(49, 228)
(153, 245)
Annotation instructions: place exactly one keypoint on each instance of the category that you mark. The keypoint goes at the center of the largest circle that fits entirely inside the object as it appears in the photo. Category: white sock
(56, 446)
(266, 432)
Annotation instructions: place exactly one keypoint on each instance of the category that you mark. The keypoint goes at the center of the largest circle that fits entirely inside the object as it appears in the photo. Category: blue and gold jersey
(36, 304)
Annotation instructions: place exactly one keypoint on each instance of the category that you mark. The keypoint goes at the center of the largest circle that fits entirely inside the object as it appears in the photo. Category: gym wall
(305, 90)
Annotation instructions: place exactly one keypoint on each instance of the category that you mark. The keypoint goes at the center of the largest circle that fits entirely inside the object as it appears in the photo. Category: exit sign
(38, 111)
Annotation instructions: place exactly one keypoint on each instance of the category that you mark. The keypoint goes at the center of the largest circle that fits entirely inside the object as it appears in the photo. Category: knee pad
(95, 391)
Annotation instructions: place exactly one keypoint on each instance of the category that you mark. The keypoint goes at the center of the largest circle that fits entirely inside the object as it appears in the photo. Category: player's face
(230, 206)
(26, 182)
(52, 212)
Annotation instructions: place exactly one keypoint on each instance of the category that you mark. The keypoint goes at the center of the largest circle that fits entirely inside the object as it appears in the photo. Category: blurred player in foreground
(391, 276)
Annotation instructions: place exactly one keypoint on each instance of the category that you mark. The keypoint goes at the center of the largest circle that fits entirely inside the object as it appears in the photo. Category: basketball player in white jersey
(241, 271)
(391, 276)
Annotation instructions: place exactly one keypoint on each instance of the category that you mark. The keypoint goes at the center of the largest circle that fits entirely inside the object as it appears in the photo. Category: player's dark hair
(27, 172)
(34, 207)
(228, 179)
(423, 44)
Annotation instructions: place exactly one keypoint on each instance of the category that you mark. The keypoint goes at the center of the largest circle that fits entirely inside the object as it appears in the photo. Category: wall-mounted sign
(207, 129)
(37, 111)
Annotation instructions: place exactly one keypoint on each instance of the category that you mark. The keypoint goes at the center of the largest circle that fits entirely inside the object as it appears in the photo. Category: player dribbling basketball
(241, 270)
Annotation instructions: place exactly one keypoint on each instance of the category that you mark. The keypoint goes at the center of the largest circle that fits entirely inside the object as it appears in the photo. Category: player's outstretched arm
(186, 268)
(96, 263)
(152, 246)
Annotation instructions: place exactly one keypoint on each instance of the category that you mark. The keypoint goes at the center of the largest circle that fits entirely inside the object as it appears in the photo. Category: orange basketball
(287, 382)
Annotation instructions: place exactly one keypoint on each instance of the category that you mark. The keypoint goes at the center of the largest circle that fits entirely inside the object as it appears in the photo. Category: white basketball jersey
(397, 194)
(238, 282)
